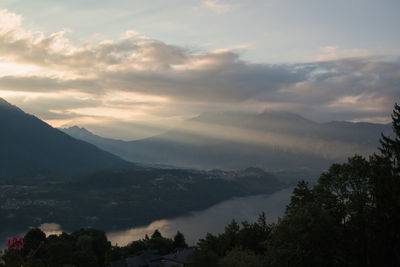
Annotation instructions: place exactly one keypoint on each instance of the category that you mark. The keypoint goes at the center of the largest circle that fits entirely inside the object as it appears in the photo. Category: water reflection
(213, 220)
(196, 224)
(51, 228)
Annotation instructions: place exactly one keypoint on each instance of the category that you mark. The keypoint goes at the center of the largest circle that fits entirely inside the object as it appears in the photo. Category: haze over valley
(277, 142)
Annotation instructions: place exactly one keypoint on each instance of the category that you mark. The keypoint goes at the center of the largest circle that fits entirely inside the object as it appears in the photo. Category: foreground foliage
(82, 248)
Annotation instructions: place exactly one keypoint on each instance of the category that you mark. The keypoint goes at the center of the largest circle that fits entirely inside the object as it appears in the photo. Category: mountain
(277, 142)
(30, 147)
(95, 188)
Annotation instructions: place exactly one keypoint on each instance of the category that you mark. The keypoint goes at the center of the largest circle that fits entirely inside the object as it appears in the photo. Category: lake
(195, 225)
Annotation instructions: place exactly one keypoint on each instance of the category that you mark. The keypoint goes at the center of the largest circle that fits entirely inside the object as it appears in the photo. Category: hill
(30, 147)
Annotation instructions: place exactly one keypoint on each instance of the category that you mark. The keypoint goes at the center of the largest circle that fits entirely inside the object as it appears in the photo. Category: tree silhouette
(179, 241)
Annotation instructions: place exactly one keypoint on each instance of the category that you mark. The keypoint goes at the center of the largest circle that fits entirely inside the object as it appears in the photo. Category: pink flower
(15, 243)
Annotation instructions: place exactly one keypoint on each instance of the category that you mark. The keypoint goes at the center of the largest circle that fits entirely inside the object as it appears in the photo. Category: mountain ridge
(31, 147)
(203, 142)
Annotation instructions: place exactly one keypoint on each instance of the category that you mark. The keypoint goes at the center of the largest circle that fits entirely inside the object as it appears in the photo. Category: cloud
(141, 78)
(217, 6)
(129, 34)
(330, 53)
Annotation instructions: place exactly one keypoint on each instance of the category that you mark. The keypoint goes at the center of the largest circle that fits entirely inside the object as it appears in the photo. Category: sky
(131, 69)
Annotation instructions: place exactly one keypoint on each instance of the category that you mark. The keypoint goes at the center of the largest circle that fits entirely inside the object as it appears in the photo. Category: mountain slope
(273, 141)
(108, 193)
(30, 147)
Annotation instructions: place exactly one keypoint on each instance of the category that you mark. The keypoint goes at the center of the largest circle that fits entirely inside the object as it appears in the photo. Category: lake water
(195, 225)
(214, 219)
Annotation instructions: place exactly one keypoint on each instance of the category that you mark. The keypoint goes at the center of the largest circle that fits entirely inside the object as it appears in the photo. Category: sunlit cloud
(9, 22)
(135, 78)
(362, 102)
(129, 34)
(216, 6)
(330, 53)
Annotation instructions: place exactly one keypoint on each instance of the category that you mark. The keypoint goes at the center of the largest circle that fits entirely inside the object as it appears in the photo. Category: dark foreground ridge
(32, 148)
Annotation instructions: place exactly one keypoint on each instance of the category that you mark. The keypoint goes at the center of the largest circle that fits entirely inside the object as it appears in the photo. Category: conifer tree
(390, 147)
(386, 193)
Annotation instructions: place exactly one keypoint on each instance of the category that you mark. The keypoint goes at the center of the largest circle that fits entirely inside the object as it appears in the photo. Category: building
(151, 258)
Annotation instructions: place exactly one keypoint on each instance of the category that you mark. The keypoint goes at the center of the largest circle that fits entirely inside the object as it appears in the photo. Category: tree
(59, 252)
(351, 217)
(179, 241)
(345, 192)
(248, 241)
(239, 257)
(32, 240)
(254, 236)
(93, 241)
(156, 234)
(385, 185)
(82, 258)
(308, 235)
(390, 147)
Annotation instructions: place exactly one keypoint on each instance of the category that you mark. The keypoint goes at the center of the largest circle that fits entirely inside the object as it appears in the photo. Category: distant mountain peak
(286, 115)
(76, 128)
(223, 117)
